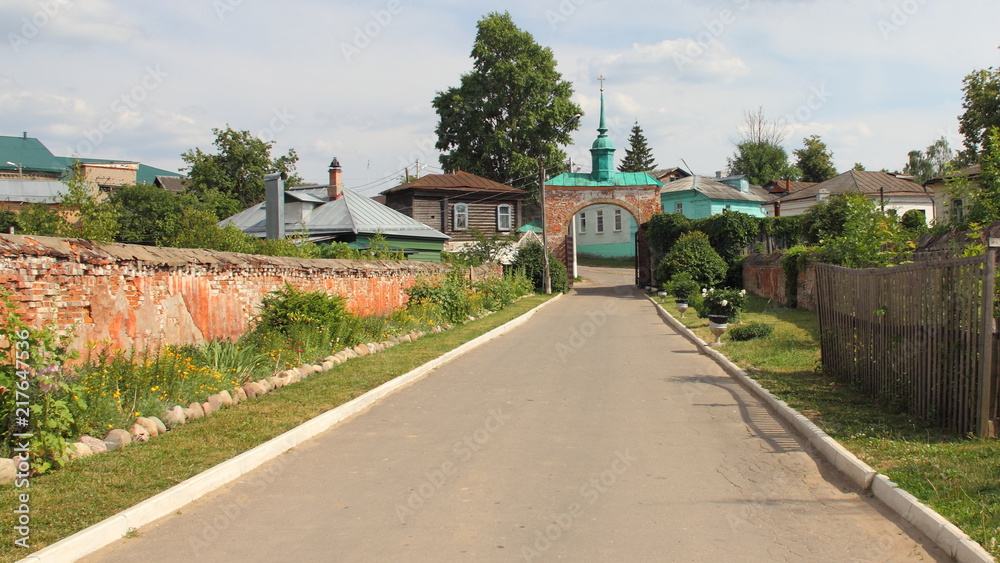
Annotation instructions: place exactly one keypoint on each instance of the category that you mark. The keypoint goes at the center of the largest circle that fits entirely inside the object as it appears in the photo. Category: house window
(461, 211)
(600, 222)
(583, 223)
(504, 217)
(727, 208)
(957, 209)
(618, 220)
(679, 208)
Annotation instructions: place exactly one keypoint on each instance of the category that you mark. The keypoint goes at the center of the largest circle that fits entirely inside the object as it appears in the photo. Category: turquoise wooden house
(697, 197)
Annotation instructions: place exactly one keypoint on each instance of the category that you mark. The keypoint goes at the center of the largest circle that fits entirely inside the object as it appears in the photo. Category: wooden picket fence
(916, 337)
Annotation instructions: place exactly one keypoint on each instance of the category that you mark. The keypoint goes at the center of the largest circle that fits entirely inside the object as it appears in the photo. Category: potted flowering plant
(723, 304)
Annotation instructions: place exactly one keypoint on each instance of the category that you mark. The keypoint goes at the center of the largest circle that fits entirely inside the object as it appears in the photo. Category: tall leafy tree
(638, 156)
(982, 111)
(239, 166)
(759, 153)
(154, 216)
(983, 201)
(511, 110)
(935, 162)
(815, 160)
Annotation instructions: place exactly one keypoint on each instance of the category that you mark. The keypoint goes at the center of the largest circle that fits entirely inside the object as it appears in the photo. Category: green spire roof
(603, 151)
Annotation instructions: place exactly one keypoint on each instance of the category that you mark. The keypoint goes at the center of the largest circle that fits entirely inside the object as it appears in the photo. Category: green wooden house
(697, 197)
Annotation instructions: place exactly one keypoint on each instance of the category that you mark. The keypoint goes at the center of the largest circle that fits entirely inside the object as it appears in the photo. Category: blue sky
(146, 82)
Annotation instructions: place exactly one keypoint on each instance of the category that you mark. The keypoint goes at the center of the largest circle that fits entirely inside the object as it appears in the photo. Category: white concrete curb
(112, 529)
(942, 532)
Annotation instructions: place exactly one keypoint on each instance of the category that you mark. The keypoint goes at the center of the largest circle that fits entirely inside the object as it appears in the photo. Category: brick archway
(562, 202)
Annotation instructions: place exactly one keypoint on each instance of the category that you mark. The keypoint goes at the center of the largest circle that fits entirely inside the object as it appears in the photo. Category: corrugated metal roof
(32, 191)
(711, 189)
(462, 181)
(351, 213)
(584, 180)
(778, 186)
(968, 172)
(859, 181)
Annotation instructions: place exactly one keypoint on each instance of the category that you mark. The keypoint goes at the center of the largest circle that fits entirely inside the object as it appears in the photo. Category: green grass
(599, 262)
(92, 489)
(957, 476)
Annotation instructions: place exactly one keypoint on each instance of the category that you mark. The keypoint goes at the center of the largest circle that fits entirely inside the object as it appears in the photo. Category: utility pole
(546, 278)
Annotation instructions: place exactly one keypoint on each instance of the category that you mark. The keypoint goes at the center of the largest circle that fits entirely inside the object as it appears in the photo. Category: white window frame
(618, 220)
(679, 207)
(460, 217)
(505, 217)
(600, 222)
(582, 223)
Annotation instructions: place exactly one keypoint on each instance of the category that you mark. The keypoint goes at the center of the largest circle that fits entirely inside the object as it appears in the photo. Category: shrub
(914, 222)
(683, 286)
(730, 232)
(291, 311)
(693, 254)
(826, 219)
(751, 331)
(451, 296)
(664, 230)
(529, 261)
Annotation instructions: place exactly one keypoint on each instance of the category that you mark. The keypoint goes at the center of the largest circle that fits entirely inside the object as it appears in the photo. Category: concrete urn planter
(718, 324)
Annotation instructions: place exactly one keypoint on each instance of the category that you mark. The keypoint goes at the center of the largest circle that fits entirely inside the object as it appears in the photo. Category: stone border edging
(943, 533)
(114, 528)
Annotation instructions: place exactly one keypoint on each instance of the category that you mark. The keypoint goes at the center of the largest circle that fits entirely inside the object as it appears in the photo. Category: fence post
(986, 353)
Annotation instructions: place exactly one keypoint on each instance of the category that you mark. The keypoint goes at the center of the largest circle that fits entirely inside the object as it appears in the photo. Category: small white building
(894, 192)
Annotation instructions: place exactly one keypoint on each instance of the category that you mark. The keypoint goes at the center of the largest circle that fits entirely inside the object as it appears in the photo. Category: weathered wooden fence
(916, 336)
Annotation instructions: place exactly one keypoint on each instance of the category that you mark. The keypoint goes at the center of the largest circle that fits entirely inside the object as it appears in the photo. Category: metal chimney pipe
(274, 205)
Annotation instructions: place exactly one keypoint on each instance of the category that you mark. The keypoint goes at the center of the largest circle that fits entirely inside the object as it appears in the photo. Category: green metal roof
(30, 153)
(583, 180)
(148, 174)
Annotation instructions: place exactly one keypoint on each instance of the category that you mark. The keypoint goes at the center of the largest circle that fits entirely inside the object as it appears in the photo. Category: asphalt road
(592, 433)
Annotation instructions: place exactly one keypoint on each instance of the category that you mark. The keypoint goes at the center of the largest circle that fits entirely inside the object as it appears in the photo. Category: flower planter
(717, 325)
(682, 306)
(661, 293)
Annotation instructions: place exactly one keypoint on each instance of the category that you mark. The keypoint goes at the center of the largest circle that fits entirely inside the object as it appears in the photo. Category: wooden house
(458, 203)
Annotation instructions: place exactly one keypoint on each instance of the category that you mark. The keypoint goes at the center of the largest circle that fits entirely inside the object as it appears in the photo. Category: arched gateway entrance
(566, 194)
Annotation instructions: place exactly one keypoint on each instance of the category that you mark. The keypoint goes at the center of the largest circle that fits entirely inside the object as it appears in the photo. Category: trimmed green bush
(693, 254)
(683, 286)
(750, 331)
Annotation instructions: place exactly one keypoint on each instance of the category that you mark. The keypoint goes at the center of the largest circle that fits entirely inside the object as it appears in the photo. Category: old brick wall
(136, 296)
(763, 275)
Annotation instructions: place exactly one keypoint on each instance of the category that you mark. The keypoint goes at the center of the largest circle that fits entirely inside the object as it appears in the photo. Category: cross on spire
(602, 79)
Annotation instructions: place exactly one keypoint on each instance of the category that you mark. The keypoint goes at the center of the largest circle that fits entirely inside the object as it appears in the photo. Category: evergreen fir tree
(638, 157)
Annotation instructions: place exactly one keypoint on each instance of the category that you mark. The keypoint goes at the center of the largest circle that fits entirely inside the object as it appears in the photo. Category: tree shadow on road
(760, 421)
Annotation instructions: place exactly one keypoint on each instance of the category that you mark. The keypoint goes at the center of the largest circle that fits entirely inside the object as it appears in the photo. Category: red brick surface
(131, 296)
(763, 275)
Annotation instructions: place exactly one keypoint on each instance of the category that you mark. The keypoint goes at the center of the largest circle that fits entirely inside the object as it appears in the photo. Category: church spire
(603, 151)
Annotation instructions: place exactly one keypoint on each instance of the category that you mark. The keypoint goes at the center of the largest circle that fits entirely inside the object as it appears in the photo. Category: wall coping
(89, 252)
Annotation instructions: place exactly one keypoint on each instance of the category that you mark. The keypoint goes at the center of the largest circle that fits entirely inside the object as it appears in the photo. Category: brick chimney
(336, 187)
